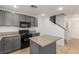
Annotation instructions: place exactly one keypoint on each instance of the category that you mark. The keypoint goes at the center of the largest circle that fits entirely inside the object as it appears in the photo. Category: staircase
(47, 27)
(53, 19)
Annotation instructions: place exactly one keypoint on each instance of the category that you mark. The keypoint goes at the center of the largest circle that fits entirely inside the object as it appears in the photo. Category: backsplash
(15, 29)
(8, 29)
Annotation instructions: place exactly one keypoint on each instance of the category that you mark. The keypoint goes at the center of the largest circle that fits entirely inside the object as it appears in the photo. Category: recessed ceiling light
(42, 14)
(76, 15)
(60, 8)
(15, 6)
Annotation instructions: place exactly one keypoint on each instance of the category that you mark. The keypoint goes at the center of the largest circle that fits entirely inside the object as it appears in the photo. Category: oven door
(23, 40)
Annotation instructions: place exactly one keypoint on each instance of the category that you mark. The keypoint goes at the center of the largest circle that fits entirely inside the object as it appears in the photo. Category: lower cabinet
(9, 44)
(0, 48)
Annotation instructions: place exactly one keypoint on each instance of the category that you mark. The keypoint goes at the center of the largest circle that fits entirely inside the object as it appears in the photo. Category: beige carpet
(72, 47)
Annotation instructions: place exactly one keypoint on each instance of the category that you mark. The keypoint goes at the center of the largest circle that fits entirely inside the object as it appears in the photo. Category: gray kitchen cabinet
(2, 18)
(16, 20)
(37, 49)
(28, 18)
(10, 44)
(0, 48)
(22, 17)
(34, 22)
(8, 18)
(45, 44)
(11, 19)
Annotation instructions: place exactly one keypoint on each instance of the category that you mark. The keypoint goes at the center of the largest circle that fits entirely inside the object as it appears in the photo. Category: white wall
(75, 29)
(60, 19)
(8, 29)
(67, 24)
(73, 26)
(15, 29)
(45, 26)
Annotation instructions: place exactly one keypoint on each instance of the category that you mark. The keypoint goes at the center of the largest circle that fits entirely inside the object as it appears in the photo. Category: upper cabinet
(24, 18)
(21, 17)
(28, 19)
(13, 19)
(8, 19)
(2, 17)
(34, 22)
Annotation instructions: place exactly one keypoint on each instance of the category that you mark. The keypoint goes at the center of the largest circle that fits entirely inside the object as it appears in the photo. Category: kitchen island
(45, 44)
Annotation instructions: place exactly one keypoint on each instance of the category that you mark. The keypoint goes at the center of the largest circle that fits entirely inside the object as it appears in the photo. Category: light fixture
(76, 15)
(15, 6)
(60, 8)
(42, 14)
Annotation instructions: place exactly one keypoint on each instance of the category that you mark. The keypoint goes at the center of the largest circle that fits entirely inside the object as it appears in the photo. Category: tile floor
(72, 47)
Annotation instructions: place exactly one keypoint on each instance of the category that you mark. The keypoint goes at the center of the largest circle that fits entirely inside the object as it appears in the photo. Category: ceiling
(47, 9)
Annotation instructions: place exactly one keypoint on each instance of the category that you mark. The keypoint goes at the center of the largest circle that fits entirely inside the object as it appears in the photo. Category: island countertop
(45, 39)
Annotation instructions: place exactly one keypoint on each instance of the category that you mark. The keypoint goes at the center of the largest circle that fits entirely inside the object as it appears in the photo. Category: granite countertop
(45, 40)
(8, 34)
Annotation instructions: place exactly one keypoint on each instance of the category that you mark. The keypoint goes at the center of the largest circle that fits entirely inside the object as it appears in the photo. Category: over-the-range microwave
(24, 24)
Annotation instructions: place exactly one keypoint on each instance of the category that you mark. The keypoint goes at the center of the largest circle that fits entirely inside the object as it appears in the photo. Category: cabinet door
(36, 22)
(22, 17)
(32, 21)
(2, 18)
(28, 19)
(11, 19)
(16, 20)
(7, 47)
(17, 42)
(10, 43)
